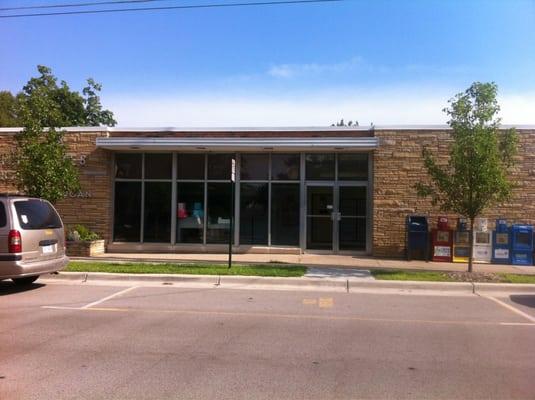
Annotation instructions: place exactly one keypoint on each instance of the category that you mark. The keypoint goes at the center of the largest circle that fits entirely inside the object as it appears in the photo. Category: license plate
(48, 249)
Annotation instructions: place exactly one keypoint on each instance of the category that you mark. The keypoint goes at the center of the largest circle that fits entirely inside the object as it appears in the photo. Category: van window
(3, 216)
(37, 214)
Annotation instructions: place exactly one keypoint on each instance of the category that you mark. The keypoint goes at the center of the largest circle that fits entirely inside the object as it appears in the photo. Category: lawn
(437, 276)
(400, 275)
(195, 269)
(512, 278)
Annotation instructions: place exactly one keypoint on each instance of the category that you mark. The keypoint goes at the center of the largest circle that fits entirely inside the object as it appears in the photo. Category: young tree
(42, 166)
(70, 107)
(480, 158)
(8, 109)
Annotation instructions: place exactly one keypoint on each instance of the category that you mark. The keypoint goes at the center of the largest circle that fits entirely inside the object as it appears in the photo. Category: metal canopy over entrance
(238, 143)
(318, 199)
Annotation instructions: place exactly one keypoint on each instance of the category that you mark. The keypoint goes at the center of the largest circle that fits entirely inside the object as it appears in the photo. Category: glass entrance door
(320, 213)
(336, 217)
(352, 218)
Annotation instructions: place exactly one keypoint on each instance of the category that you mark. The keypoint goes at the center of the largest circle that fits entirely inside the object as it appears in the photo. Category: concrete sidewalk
(336, 261)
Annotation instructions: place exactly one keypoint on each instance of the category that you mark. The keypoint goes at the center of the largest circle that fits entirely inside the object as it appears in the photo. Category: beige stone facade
(397, 166)
(92, 206)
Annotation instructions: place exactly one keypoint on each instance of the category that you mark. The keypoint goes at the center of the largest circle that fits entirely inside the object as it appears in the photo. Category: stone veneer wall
(398, 165)
(93, 205)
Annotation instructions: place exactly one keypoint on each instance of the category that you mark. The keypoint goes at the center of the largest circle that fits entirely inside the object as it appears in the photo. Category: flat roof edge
(415, 127)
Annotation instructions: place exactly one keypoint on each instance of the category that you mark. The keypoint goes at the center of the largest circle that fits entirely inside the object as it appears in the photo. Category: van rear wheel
(27, 280)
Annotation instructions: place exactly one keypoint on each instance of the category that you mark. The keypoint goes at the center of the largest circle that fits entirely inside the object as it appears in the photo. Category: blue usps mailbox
(522, 244)
(417, 237)
(501, 243)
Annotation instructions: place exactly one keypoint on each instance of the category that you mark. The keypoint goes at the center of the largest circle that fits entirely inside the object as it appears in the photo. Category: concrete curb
(339, 283)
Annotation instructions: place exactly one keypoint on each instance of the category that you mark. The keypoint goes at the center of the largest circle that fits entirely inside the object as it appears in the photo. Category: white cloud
(410, 105)
(295, 70)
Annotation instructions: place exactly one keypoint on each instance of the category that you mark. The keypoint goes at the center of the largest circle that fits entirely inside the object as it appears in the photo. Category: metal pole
(231, 232)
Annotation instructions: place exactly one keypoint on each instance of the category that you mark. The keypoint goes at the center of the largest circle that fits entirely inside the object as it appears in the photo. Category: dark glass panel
(158, 166)
(127, 214)
(157, 226)
(285, 214)
(190, 166)
(352, 233)
(254, 213)
(320, 166)
(219, 166)
(353, 167)
(353, 201)
(254, 166)
(190, 212)
(128, 166)
(319, 222)
(320, 200)
(285, 167)
(319, 233)
(219, 205)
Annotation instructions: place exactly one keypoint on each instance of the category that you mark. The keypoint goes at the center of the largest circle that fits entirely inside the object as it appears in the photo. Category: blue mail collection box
(501, 243)
(417, 237)
(522, 244)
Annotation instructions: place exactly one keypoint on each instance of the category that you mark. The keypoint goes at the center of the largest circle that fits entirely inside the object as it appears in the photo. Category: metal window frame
(303, 187)
(336, 184)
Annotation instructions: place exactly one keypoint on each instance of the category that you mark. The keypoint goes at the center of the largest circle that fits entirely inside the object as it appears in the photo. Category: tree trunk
(471, 238)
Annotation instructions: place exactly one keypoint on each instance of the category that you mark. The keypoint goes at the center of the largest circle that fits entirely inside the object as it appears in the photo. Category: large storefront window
(276, 199)
(285, 167)
(219, 205)
(190, 212)
(128, 166)
(157, 212)
(219, 166)
(285, 214)
(352, 167)
(127, 221)
(320, 167)
(158, 166)
(254, 167)
(254, 213)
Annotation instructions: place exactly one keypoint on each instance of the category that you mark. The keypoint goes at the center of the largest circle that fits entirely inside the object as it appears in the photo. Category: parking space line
(510, 308)
(119, 293)
(289, 316)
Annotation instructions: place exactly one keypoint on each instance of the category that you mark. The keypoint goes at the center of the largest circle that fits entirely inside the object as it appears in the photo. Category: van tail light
(14, 242)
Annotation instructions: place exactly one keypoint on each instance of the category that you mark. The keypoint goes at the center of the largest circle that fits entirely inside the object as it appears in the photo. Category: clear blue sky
(381, 61)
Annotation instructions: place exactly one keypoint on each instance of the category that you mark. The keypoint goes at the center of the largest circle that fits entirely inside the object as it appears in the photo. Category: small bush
(82, 233)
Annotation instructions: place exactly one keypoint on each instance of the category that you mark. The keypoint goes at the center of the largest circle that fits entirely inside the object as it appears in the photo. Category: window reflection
(190, 212)
(254, 213)
(219, 205)
(285, 166)
(254, 167)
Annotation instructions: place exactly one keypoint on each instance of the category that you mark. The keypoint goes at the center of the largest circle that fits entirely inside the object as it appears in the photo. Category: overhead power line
(94, 3)
(184, 7)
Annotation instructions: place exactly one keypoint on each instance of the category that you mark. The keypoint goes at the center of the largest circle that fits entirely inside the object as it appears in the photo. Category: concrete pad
(339, 273)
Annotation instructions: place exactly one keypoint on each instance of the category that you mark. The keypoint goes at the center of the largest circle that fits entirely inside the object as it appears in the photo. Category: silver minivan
(32, 239)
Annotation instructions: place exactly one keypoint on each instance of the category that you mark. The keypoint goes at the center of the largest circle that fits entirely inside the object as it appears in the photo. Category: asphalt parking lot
(86, 341)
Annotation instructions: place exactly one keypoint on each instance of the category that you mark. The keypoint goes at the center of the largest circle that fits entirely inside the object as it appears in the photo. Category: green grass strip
(194, 269)
(391, 275)
(514, 278)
